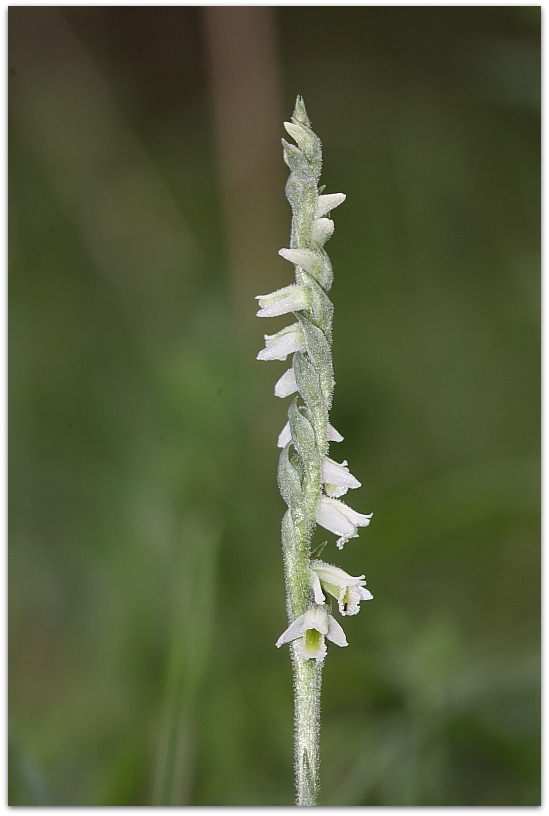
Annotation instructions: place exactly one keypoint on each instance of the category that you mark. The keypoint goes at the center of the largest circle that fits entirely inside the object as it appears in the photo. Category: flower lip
(349, 599)
(312, 645)
(348, 590)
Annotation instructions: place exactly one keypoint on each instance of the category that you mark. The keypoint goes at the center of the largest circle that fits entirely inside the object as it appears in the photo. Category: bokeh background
(145, 578)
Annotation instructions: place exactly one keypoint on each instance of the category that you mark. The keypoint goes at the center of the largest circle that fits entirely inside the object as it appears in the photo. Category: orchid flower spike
(310, 481)
(311, 629)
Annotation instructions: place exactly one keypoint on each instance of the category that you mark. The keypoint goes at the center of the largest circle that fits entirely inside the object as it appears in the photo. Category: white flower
(284, 342)
(305, 258)
(291, 298)
(333, 435)
(286, 385)
(325, 203)
(335, 516)
(323, 229)
(311, 629)
(347, 589)
(336, 477)
(285, 435)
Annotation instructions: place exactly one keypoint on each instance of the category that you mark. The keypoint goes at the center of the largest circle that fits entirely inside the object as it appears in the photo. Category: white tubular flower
(285, 435)
(286, 385)
(336, 477)
(311, 629)
(322, 230)
(305, 258)
(335, 516)
(291, 298)
(329, 202)
(284, 342)
(348, 590)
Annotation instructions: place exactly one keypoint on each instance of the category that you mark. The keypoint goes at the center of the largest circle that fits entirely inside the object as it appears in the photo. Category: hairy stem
(307, 682)
(297, 529)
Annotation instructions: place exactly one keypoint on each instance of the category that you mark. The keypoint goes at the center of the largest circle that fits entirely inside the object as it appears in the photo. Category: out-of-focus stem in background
(246, 109)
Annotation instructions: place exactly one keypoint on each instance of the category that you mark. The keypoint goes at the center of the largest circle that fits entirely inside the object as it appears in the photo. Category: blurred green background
(145, 577)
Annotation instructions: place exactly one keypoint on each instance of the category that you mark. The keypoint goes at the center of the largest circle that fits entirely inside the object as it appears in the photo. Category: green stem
(307, 682)
(296, 536)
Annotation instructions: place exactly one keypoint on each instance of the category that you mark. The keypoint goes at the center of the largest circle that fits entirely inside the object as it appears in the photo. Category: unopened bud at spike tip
(300, 113)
